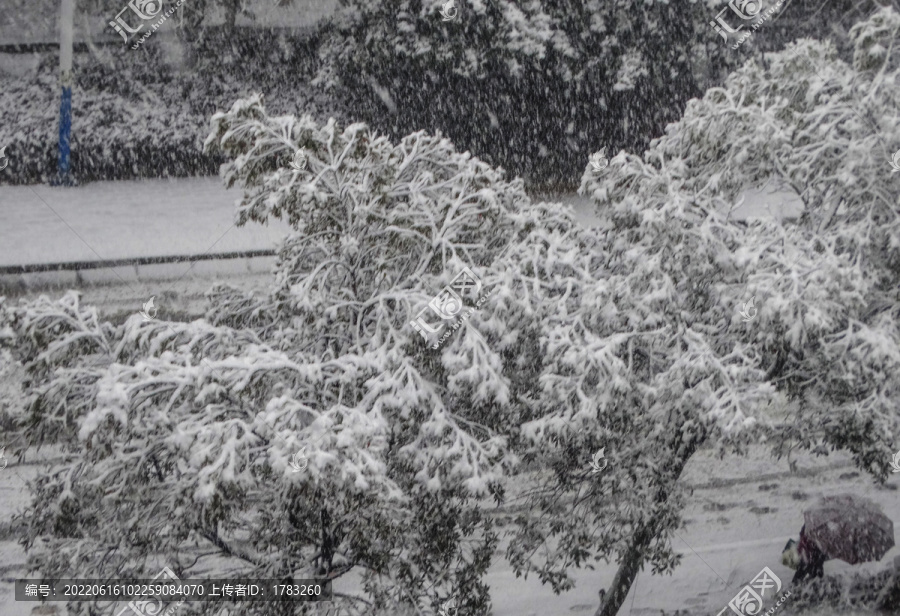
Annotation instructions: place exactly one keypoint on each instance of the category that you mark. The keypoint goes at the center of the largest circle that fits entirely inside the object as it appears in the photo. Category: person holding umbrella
(804, 557)
(846, 527)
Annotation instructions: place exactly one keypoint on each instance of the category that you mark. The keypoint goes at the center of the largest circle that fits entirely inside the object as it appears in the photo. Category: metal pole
(66, 36)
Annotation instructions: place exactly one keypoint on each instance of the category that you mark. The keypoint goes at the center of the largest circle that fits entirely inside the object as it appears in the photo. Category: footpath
(132, 224)
(144, 226)
(117, 220)
(126, 241)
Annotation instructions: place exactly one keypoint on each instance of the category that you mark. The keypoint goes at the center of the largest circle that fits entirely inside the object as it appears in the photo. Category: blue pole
(65, 134)
(66, 35)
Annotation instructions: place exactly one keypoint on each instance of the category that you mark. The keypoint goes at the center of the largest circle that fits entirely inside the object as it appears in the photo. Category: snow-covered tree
(535, 86)
(181, 434)
(196, 423)
(827, 295)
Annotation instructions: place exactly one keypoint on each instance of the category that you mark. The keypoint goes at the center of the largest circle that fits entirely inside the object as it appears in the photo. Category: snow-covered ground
(742, 512)
(116, 220)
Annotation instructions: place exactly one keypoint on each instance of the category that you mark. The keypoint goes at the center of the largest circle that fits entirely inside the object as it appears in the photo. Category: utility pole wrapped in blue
(66, 19)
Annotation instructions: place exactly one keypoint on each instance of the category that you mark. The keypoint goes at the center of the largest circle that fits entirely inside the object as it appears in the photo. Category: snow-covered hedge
(136, 116)
(122, 127)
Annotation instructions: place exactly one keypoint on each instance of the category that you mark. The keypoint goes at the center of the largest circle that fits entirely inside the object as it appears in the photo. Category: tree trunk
(633, 558)
(231, 9)
(628, 570)
(191, 17)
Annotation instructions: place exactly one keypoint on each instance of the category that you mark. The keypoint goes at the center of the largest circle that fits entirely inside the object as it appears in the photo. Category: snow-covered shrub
(851, 592)
(46, 337)
(11, 376)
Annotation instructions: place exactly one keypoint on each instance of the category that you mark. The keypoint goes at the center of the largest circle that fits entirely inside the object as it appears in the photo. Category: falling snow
(685, 332)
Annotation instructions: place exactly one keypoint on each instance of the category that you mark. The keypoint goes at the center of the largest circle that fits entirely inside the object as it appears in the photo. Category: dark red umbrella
(850, 528)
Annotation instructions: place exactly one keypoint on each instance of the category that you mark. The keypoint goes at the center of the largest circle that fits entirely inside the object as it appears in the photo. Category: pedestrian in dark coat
(805, 557)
